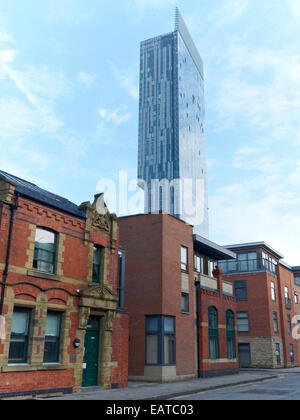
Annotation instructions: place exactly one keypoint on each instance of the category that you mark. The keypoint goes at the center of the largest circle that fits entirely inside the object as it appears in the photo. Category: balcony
(227, 288)
(206, 282)
(211, 283)
(247, 266)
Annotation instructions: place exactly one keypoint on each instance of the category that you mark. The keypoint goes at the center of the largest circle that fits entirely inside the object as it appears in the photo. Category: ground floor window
(19, 338)
(213, 333)
(52, 337)
(160, 340)
(292, 353)
(185, 302)
(230, 335)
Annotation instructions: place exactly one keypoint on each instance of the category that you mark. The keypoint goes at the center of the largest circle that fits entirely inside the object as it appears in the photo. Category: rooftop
(213, 250)
(35, 193)
(253, 245)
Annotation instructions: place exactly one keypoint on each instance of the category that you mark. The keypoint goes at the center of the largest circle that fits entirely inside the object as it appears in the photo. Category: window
(213, 333)
(44, 251)
(275, 322)
(273, 293)
(287, 298)
(52, 337)
(160, 199)
(278, 354)
(198, 260)
(19, 336)
(269, 263)
(172, 201)
(184, 302)
(97, 254)
(243, 322)
(289, 324)
(160, 340)
(240, 290)
(184, 258)
(230, 334)
(247, 261)
(297, 280)
(121, 278)
(286, 293)
(211, 265)
(292, 353)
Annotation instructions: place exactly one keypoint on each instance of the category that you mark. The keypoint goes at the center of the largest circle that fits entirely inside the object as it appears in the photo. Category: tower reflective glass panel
(172, 157)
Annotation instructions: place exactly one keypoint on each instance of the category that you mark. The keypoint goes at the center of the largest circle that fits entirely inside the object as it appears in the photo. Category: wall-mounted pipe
(13, 208)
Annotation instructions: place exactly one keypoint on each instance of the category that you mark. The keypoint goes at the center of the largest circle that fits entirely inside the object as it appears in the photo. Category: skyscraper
(172, 157)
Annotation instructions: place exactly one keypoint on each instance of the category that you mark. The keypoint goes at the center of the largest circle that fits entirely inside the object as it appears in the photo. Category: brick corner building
(182, 314)
(268, 308)
(60, 268)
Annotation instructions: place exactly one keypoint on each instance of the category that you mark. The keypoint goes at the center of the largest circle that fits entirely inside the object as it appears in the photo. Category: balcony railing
(245, 266)
(208, 282)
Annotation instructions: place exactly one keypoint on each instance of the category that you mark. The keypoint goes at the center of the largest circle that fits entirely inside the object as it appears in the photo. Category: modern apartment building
(268, 307)
(172, 156)
(182, 312)
(62, 323)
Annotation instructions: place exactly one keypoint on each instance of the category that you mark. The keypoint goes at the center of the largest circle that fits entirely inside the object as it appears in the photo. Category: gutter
(13, 208)
(197, 329)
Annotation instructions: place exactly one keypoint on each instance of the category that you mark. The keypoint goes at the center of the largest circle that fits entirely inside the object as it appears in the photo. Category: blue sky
(69, 103)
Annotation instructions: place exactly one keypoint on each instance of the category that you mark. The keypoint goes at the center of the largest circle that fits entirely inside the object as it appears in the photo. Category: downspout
(13, 208)
(197, 329)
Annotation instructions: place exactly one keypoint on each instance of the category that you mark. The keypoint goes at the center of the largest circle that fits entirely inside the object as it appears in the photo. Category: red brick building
(178, 309)
(62, 324)
(267, 292)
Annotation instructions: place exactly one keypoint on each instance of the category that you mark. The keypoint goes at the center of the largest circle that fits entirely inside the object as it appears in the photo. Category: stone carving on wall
(99, 292)
(109, 320)
(84, 314)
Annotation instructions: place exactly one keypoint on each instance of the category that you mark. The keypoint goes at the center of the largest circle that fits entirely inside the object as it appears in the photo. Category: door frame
(87, 333)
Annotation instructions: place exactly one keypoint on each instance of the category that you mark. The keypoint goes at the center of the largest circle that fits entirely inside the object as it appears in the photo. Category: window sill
(30, 368)
(41, 275)
(185, 313)
(161, 365)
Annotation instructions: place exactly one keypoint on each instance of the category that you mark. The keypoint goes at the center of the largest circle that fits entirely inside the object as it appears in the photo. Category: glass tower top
(172, 157)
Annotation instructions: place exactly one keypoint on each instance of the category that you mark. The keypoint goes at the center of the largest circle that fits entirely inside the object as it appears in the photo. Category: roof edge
(261, 244)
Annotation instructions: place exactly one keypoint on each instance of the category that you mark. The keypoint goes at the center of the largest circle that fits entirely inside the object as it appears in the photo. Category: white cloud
(231, 11)
(157, 4)
(128, 79)
(86, 78)
(17, 120)
(263, 204)
(116, 116)
(294, 6)
(68, 11)
(273, 104)
(257, 211)
(39, 87)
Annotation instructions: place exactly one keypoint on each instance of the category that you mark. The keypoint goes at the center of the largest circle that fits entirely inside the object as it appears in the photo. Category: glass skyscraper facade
(172, 157)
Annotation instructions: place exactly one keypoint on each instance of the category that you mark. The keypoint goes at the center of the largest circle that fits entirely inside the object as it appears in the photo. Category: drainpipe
(13, 208)
(197, 328)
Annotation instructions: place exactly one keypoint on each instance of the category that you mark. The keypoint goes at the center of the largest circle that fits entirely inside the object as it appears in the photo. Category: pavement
(139, 391)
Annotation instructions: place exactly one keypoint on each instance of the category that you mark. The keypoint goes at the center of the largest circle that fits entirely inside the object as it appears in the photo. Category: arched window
(230, 333)
(213, 333)
(45, 251)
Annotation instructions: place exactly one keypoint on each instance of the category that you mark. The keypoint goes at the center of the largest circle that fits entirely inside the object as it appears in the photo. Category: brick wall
(59, 292)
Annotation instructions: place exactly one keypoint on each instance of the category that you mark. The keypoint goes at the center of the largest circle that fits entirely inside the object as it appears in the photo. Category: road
(286, 387)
